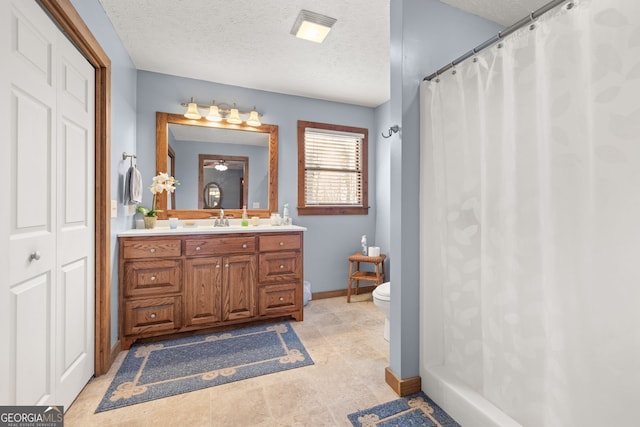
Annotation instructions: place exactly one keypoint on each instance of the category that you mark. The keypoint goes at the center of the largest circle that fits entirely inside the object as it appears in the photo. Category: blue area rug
(161, 369)
(414, 410)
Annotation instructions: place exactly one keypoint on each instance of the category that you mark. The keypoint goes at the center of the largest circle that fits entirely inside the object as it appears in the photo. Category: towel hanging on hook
(132, 182)
(393, 129)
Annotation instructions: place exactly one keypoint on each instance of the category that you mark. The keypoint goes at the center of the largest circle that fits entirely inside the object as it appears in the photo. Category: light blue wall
(383, 181)
(123, 126)
(425, 35)
(329, 239)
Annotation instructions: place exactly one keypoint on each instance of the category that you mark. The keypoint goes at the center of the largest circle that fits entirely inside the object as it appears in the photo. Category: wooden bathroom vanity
(174, 281)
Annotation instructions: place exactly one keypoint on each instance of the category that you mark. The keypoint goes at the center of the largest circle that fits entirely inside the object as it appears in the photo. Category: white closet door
(49, 229)
(75, 182)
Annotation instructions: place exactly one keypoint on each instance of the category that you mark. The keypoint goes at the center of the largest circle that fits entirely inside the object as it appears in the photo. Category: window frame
(303, 209)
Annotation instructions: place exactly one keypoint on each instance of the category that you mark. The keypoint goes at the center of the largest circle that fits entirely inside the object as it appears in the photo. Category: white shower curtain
(530, 198)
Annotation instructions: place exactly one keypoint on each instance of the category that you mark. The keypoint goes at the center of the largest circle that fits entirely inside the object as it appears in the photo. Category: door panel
(32, 340)
(203, 290)
(75, 215)
(31, 240)
(31, 215)
(74, 296)
(238, 287)
(76, 179)
(49, 233)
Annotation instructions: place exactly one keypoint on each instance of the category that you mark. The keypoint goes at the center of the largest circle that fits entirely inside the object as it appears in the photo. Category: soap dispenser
(286, 219)
(245, 217)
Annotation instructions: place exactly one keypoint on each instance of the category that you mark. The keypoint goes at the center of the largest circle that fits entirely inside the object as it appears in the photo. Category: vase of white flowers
(161, 182)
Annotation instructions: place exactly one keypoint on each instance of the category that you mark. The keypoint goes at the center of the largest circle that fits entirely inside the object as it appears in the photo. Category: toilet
(382, 300)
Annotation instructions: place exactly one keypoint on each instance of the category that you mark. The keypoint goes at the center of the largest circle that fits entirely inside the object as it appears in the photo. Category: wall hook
(393, 129)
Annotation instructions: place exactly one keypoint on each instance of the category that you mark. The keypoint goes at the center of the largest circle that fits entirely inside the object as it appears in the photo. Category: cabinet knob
(226, 266)
(217, 265)
(281, 266)
(34, 256)
(281, 298)
(197, 248)
(152, 250)
(152, 315)
(153, 278)
(281, 243)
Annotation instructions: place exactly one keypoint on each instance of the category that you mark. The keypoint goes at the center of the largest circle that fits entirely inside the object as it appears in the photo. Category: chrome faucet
(221, 222)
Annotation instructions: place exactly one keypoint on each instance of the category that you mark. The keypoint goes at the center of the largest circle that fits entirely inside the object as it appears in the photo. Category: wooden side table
(356, 275)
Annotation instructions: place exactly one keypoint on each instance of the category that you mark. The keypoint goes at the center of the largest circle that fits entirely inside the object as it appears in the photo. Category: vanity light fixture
(312, 26)
(219, 112)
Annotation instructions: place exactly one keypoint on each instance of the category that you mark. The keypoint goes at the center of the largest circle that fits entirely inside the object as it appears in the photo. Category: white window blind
(333, 168)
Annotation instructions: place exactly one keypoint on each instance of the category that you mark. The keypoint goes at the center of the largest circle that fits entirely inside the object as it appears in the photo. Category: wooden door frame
(67, 18)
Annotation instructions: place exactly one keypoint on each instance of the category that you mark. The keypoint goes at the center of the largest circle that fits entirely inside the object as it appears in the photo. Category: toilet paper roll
(374, 251)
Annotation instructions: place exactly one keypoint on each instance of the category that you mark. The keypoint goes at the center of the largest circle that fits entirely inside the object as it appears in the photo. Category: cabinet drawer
(150, 315)
(279, 266)
(282, 242)
(152, 248)
(143, 278)
(220, 245)
(283, 298)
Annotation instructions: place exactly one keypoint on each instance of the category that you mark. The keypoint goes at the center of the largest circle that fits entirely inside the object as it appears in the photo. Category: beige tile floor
(344, 340)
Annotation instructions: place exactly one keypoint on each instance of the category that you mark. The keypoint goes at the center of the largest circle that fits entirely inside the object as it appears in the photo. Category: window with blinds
(332, 165)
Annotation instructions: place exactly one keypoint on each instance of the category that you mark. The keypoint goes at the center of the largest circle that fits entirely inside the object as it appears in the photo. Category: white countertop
(206, 227)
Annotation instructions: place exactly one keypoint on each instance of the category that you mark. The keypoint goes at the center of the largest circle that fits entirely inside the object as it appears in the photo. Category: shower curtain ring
(393, 129)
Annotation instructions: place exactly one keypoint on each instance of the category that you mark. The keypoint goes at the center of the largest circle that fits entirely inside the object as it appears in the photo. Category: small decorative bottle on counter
(363, 243)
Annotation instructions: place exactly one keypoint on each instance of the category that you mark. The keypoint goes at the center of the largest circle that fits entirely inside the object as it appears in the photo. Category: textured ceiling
(248, 43)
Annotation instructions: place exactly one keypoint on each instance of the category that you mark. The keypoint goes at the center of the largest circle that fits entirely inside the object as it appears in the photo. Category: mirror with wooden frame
(258, 144)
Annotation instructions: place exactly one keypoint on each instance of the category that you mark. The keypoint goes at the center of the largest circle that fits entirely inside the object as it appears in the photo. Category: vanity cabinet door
(238, 287)
(203, 290)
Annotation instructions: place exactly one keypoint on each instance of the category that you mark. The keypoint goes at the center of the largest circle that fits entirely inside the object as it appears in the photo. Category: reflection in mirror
(188, 139)
(212, 196)
(171, 168)
(231, 174)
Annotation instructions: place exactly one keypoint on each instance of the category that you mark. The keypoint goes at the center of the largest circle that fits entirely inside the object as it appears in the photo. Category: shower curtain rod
(502, 34)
